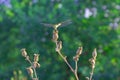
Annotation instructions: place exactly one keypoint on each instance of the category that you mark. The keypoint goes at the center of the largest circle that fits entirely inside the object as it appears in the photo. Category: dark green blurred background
(95, 24)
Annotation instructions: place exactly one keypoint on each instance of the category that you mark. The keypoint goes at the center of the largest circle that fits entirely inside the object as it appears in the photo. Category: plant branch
(92, 61)
(91, 74)
(76, 69)
(64, 58)
(32, 67)
(58, 49)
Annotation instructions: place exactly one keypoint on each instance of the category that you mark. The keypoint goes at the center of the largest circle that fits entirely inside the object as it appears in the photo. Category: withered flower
(36, 57)
(55, 35)
(94, 54)
(92, 61)
(36, 65)
(30, 71)
(24, 53)
(79, 51)
(59, 46)
(75, 58)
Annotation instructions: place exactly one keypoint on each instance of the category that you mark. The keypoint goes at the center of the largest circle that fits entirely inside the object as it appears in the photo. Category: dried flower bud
(36, 57)
(59, 46)
(24, 53)
(30, 71)
(55, 35)
(92, 61)
(94, 54)
(36, 64)
(79, 51)
(75, 58)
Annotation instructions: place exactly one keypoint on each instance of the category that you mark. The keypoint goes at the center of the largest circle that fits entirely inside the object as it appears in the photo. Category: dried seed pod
(24, 53)
(75, 58)
(92, 60)
(79, 51)
(36, 65)
(36, 57)
(30, 71)
(94, 54)
(59, 46)
(55, 35)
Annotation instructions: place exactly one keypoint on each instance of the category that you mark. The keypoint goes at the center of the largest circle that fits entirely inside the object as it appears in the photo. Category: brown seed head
(92, 62)
(30, 71)
(55, 35)
(94, 54)
(75, 58)
(36, 65)
(59, 46)
(79, 51)
(36, 57)
(24, 53)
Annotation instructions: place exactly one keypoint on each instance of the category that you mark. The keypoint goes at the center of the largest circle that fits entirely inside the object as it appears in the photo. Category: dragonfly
(55, 26)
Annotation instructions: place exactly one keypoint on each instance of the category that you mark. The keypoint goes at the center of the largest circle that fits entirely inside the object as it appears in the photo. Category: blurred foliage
(18, 75)
(95, 23)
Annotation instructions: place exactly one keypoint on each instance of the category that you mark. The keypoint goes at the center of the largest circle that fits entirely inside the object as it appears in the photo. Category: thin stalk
(91, 74)
(35, 73)
(33, 68)
(76, 69)
(64, 58)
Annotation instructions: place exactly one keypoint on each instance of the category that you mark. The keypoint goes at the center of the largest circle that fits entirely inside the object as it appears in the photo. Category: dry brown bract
(33, 65)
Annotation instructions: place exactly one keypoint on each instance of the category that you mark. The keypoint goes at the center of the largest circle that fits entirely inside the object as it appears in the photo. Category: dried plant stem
(35, 74)
(64, 58)
(58, 49)
(91, 74)
(76, 66)
(76, 69)
(92, 61)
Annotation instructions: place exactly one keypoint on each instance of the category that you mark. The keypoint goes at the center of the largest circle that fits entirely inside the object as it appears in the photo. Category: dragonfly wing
(65, 23)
